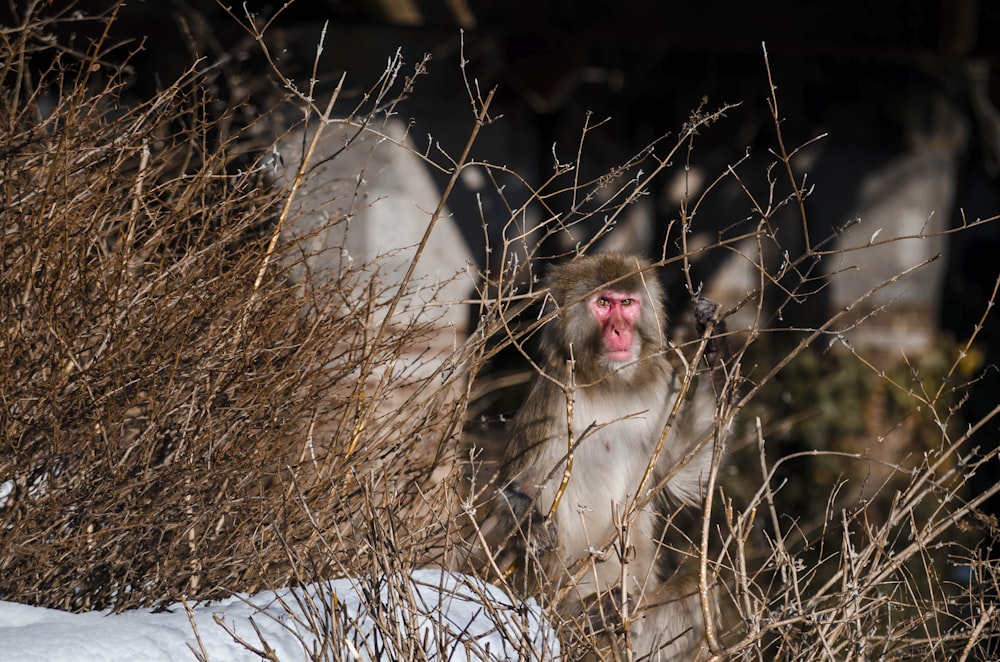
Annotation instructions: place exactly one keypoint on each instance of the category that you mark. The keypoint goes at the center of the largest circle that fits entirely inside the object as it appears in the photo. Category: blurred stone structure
(365, 203)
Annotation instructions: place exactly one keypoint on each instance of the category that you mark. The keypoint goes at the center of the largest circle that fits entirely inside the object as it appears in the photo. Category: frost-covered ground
(458, 618)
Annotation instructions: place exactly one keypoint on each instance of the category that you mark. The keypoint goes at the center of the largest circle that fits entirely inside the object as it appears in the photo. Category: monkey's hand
(606, 611)
(529, 526)
(716, 346)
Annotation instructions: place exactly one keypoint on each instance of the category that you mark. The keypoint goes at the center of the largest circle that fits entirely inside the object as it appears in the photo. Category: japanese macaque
(611, 436)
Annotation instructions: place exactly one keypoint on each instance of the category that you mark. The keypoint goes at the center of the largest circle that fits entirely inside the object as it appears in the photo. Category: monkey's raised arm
(688, 457)
(717, 346)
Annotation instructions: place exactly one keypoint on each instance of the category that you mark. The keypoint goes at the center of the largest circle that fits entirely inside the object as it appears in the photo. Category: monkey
(582, 451)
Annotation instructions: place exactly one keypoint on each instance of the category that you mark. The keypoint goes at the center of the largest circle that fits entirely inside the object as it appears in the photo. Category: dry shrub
(179, 419)
(895, 558)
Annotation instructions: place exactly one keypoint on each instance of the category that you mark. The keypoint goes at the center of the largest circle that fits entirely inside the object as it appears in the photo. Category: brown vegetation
(180, 419)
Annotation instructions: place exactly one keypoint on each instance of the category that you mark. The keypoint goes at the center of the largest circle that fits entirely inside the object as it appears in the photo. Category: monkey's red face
(617, 313)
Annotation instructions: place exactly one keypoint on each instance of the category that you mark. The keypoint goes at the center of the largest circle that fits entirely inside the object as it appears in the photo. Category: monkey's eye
(627, 302)
(602, 302)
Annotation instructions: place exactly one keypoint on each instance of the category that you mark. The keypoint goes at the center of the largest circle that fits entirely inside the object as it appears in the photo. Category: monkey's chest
(615, 447)
(607, 428)
(608, 467)
(617, 441)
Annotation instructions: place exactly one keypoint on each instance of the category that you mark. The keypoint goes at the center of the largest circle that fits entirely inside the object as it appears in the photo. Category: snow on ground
(459, 618)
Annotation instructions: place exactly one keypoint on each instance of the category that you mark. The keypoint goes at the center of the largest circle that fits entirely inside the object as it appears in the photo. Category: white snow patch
(458, 617)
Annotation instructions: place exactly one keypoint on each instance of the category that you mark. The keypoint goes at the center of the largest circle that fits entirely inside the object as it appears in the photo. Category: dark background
(870, 74)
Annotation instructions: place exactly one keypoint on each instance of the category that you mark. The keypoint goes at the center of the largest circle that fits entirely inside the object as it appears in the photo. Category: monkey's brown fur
(613, 412)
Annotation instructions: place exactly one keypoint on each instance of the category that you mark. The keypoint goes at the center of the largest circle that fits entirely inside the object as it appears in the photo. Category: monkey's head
(609, 311)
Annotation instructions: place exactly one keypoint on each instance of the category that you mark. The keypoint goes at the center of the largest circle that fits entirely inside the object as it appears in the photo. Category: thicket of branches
(179, 418)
